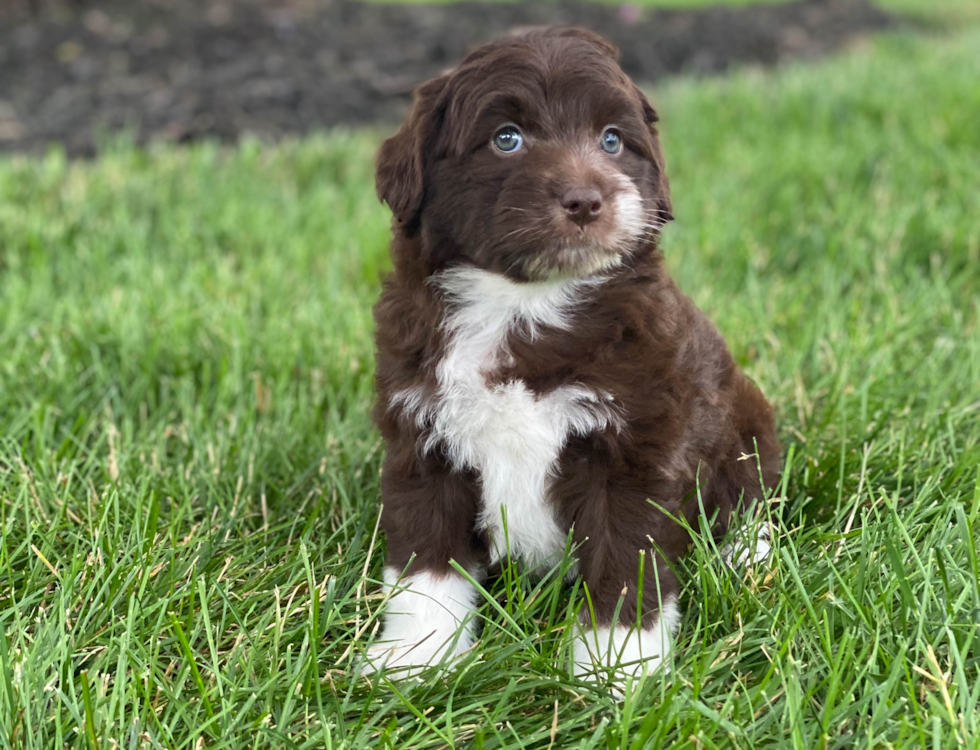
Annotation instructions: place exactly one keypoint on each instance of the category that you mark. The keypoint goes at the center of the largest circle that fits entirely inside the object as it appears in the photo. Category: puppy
(539, 374)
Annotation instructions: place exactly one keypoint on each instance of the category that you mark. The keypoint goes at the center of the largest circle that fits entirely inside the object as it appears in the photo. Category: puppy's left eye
(611, 141)
(508, 139)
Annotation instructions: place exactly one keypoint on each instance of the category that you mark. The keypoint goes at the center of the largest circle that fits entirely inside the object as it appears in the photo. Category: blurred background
(75, 71)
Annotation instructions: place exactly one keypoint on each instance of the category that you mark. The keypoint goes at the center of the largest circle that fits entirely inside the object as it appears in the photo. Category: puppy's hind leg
(747, 479)
(752, 544)
(742, 506)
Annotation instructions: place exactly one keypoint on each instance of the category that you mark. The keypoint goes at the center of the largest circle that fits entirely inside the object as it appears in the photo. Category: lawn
(189, 477)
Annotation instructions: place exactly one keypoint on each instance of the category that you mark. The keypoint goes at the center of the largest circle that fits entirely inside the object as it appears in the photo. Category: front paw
(429, 620)
(622, 653)
(410, 657)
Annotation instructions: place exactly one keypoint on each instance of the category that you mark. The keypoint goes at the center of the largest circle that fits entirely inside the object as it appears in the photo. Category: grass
(189, 479)
(941, 13)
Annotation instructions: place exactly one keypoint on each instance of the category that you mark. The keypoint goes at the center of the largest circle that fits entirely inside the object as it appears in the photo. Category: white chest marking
(509, 435)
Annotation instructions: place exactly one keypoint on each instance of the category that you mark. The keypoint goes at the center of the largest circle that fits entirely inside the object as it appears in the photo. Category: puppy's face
(536, 158)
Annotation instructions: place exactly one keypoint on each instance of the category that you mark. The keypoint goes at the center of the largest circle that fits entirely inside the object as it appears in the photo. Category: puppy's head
(536, 158)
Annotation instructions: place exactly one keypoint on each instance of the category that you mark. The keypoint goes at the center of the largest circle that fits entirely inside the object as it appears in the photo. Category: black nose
(582, 205)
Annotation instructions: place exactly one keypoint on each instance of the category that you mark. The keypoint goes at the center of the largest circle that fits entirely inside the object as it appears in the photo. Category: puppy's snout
(582, 205)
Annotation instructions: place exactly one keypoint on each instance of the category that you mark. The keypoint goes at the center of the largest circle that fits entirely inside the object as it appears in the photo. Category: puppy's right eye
(508, 139)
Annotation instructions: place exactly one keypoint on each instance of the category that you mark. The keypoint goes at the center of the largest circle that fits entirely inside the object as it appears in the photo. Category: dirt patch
(185, 69)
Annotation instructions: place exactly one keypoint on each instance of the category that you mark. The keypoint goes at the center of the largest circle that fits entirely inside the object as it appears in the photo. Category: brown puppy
(537, 369)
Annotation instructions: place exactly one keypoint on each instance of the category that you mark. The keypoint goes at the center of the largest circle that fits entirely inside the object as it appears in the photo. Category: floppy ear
(400, 171)
(656, 156)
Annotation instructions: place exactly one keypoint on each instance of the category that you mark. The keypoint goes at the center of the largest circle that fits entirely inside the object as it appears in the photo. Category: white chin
(574, 263)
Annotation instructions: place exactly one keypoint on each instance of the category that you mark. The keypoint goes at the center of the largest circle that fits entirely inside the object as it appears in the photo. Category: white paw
(628, 652)
(427, 620)
(750, 547)
(408, 658)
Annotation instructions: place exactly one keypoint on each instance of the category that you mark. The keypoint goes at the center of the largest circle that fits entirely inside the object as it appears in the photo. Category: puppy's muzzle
(582, 205)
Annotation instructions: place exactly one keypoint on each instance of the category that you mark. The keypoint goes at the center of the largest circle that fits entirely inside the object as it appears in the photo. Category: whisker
(516, 233)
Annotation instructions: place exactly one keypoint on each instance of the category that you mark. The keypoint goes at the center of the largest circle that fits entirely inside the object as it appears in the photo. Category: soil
(72, 71)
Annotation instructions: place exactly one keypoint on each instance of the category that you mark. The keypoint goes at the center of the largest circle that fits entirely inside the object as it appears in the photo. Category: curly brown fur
(538, 364)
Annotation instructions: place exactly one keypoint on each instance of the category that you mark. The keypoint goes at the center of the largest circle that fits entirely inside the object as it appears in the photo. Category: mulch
(75, 71)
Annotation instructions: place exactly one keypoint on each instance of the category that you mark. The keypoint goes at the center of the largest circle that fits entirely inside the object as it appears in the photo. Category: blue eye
(611, 141)
(508, 139)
